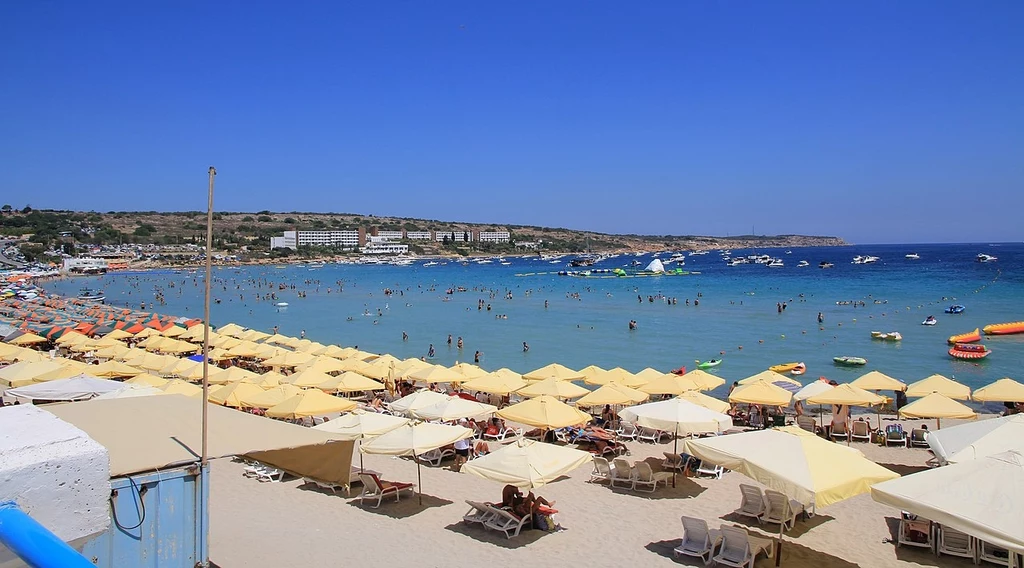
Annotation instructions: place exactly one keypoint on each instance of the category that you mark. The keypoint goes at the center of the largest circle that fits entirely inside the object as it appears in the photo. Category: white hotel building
(348, 239)
(493, 236)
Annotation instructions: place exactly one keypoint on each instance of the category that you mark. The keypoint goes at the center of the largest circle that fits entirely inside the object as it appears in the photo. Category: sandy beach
(288, 524)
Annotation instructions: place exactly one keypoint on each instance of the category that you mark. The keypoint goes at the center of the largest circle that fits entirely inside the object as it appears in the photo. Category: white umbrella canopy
(677, 415)
(414, 439)
(983, 498)
(973, 440)
(527, 463)
(360, 424)
(417, 400)
(453, 408)
(812, 389)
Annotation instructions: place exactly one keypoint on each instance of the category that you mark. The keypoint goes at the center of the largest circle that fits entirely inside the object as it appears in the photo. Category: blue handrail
(33, 543)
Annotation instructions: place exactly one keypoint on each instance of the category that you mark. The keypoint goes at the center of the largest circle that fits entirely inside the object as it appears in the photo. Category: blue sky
(875, 121)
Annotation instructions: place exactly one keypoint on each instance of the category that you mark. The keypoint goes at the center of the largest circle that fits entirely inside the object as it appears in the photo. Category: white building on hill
(348, 239)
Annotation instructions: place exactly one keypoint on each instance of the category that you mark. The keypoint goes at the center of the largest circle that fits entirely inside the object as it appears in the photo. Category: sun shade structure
(435, 374)
(81, 387)
(415, 439)
(232, 394)
(812, 389)
(771, 377)
(594, 375)
(308, 378)
(612, 393)
(25, 372)
(553, 371)
(468, 371)
(553, 387)
(453, 408)
(495, 384)
(1003, 390)
(312, 402)
(974, 440)
(544, 412)
(28, 339)
(847, 394)
(270, 397)
(874, 380)
(178, 386)
(350, 382)
(147, 380)
(677, 415)
(669, 384)
(761, 392)
(709, 402)
(805, 467)
(527, 464)
(937, 406)
(941, 385)
(360, 424)
(983, 498)
(289, 359)
(417, 400)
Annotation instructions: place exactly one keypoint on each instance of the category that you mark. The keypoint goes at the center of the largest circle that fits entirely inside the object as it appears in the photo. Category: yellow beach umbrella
(544, 412)
(217, 354)
(434, 374)
(195, 333)
(355, 365)
(27, 339)
(709, 402)
(312, 402)
(231, 329)
(771, 377)
(761, 392)
(350, 382)
(414, 439)
(322, 364)
(269, 380)
(649, 374)
(64, 372)
(670, 383)
(232, 374)
(270, 397)
(107, 341)
(939, 384)
(132, 353)
(616, 375)
(874, 380)
(146, 333)
(328, 350)
(495, 384)
(231, 394)
(527, 464)
(289, 359)
(25, 372)
(223, 341)
(453, 408)
(173, 331)
(704, 380)
(1003, 390)
(111, 369)
(118, 334)
(553, 371)
(591, 371)
(153, 342)
(612, 393)
(178, 386)
(253, 335)
(468, 371)
(31, 355)
(847, 394)
(83, 346)
(71, 338)
(306, 379)
(417, 400)
(553, 387)
(111, 352)
(408, 366)
(246, 349)
(147, 380)
(381, 368)
(278, 339)
(268, 351)
(507, 373)
(937, 406)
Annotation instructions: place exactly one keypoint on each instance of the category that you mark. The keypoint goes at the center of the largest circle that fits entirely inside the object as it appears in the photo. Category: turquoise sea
(584, 321)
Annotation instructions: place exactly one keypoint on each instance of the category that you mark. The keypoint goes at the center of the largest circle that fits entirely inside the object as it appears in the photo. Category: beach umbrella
(305, 379)
(232, 374)
(354, 365)
(709, 402)
(381, 368)
(454, 408)
(312, 402)
(270, 397)
(939, 384)
(25, 372)
(83, 346)
(527, 464)
(553, 371)
(67, 370)
(598, 376)
(361, 425)
(350, 382)
(591, 371)
(290, 359)
(669, 383)
(494, 383)
(812, 389)
(8, 352)
(173, 331)
(705, 380)
(415, 401)
(153, 342)
(246, 349)
(224, 342)
(468, 371)
(434, 374)
(328, 350)
(648, 374)
(414, 439)
(278, 339)
(253, 335)
(178, 386)
(217, 354)
(982, 497)
(322, 364)
(267, 380)
(231, 329)
(937, 406)
(973, 440)
(874, 380)
(847, 394)
(71, 338)
(231, 394)
(612, 393)
(553, 387)
(107, 341)
(771, 377)
(144, 333)
(544, 412)
(408, 366)
(761, 392)
(1003, 390)
(195, 333)
(28, 339)
(147, 380)
(113, 369)
(507, 373)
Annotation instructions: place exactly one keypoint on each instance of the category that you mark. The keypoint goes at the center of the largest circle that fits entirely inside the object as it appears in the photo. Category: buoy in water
(281, 304)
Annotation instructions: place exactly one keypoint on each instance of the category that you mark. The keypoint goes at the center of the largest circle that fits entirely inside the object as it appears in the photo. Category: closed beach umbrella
(553, 387)
(417, 400)
(544, 412)
(434, 374)
(495, 384)
(1003, 390)
(414, 439)
(941, 385)
(553, 371)
(983, 498)
(270, 397)
(612, 393)
(527, 464)
(305, 379)
(113, 369)
(178, 386)
(709, 402)
(761, 392)
(874, 380)
(771, 377)
(973, 440)
(350, 382)
(231, 394)
(454, 408)
(312, 402)
(937, 406)
(147, 380)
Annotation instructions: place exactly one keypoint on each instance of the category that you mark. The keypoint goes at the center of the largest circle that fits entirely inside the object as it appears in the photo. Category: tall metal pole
(206, 311)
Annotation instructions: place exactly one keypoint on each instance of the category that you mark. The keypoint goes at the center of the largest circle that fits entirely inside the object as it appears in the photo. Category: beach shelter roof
(305, 379)
(246, 349)
(415, 401)
(527, 464)
(290, 359)
(84, 346)
(1003, 390)
(79, 387)
(761, 392)
(270, 397)
(223, 341)
(435, 374)
(795, 462)
(553, 371)
(495, 384)
(408, 366)
(415, 438)
(354, 365)
(507, 373)
(709, 402)
(350, 382)
(939, 384)
(25, 372)
(147, 332)
(612, 393)
(973, 440)
(591, 371)
(117, 334)
(67, 370)
(468, 371)
(328, 350)
(649, 374)
(847, 394)
(145, 379)
(178, 386)
(278, 339)
(677, 415)
(544, 412)
(253, 335)
(982, 497)
(360, 424)
(151, 361)
(454, 408)
(553, 387)
(812, 389)
(28, 339)
(936, 405)
(231, 394)
(30, 356)
(312, 402)
(874, 380)
(771, 377)
(113, 369)
(382, 368)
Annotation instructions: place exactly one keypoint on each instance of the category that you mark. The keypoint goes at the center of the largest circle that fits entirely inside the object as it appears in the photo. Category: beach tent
(495, 384)
(1003, 390)
(655, 266)
(612, 393)
(544, 412)
(553, 371)
(312, 402)
(415, 401)
(350, 382)
(231, 394)
(270, 397)
(771, 377)
(414, 439)
(553, 387)
(761, 392)
(973, 440)
(709, 402)
(937, 406)
(874, 380)
(983, 498)
(527, 464)
(454, 408)
(941, 385)
(80, 387)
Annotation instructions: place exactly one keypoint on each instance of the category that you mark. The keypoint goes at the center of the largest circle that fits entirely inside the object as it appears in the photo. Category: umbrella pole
(675, 450)
(360, 455)
(419, 478)
(778, 547)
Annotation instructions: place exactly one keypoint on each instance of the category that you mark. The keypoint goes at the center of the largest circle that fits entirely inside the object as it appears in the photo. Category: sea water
(580, 321)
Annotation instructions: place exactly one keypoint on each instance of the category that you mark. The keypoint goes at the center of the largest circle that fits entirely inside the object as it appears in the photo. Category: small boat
(930, 320)
(786, 367)
(985, 258)
(913, 256)
(798, 370)
(850, 361)
(803, 263)
(890, 336)
(709, 364)
(955, 309)
(969, 351)
(825, 264)
(90, 295)
(775, 263)
(281, 305)
(969, 337)
(1004, 328)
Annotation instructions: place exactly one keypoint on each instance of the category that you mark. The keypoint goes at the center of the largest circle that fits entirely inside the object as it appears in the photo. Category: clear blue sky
(878, 121)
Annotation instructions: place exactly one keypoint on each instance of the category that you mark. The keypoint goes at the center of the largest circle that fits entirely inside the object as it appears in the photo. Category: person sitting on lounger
(512, 497)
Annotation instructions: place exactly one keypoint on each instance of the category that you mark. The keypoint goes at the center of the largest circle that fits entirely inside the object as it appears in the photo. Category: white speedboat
(90, 295)
(775, 263)
(825, 264)
(985, 258)
(913, 256)
(803, 263)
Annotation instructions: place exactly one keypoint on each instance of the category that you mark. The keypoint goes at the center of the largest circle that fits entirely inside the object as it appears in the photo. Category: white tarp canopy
(655, 266)
(983, 498)
(974, 440)
(80, 387)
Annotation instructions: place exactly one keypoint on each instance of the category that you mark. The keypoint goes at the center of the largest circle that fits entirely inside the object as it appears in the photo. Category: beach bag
(543, 522)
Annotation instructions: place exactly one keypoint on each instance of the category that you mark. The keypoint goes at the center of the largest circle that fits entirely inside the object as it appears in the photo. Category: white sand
(283, 524)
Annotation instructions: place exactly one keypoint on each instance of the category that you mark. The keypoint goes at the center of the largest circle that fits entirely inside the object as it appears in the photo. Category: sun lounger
(478, 512)
(710, 469)
(644, 476)
(649, 435)
(861, 431)
(753, 504)
(375, 488)
(739, 549)
(955, 543)
(994, 554)
(894, 434)
(915, 531)
(622, 473)
(781, 509)
(839, 432)
(698, 540)
(807, 423)
(626, 431)
(918, 438)
(602, 470)
(505, 522)
(673, 462)
(333, 487)
(435, 457)
(270, 474)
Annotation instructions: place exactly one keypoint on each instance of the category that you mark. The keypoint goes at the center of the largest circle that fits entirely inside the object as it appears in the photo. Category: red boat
(969, 351)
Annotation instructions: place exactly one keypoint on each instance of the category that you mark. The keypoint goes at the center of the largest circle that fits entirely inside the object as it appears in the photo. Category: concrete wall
(54, 471)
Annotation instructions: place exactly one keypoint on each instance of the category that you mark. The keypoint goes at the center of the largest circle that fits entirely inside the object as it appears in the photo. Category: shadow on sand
(791, 552)
(407, 507)
(478, 533)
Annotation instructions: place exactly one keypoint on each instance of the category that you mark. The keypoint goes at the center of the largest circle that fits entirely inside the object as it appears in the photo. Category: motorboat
(955, 309)
(969, 351)
(985, 258)
(90, 295)
(912, 256)
(850, 361)
(737, 261)
(775, 263)
(890, 336)
(431, 263)
(930, 320)
(867, 259)
(825, 264)
(803, 263)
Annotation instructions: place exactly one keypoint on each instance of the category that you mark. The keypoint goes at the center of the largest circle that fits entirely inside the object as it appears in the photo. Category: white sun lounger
(698, 540)
(506, 522)
(644, 476)
(739, 548)
(753, 504)
(781, 509)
